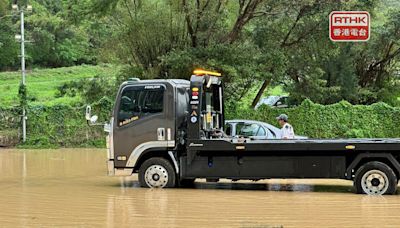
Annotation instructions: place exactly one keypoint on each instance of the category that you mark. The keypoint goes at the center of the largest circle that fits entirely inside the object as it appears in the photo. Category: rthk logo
(349, 26)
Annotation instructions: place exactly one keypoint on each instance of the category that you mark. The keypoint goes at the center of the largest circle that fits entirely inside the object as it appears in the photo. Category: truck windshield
(139, 102)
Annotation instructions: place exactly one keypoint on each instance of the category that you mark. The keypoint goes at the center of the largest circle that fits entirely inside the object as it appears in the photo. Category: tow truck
(171, 131)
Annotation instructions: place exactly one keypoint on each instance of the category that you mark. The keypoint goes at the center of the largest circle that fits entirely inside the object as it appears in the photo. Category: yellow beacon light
(200, 72)
(350, 147)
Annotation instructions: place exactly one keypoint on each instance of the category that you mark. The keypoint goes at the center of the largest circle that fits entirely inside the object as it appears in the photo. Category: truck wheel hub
(374, 182)
(156, 176)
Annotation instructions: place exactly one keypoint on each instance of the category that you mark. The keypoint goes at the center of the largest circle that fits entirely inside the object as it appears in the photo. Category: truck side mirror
(88, 114)
(90, 119)
(93, 119)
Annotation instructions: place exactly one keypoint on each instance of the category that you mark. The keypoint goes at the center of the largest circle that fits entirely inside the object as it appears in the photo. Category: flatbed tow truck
(170, 132)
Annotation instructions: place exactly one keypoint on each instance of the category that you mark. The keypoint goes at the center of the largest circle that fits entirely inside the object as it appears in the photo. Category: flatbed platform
(271, 145)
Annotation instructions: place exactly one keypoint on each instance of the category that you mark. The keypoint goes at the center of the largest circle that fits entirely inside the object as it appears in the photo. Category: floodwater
(68, 187)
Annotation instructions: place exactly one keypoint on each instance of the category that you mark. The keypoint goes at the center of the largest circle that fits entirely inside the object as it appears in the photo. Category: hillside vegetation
(252, 42)
(42, 84)
(261, 47)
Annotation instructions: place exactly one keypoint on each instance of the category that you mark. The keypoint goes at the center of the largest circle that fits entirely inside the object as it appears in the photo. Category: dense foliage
(340, 120)
(252, 42)
(59, 33)
(58, 125)
(256, 44)
(64, 125)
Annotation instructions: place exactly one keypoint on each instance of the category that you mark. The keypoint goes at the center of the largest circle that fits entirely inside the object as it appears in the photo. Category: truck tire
(375, 178)
(157, 172)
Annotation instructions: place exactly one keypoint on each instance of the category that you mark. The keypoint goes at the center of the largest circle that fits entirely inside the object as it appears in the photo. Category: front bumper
(121, 172)
(110, 168)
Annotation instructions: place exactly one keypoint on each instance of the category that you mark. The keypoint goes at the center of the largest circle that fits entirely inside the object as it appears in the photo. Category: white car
(274, 101)
(254, 130)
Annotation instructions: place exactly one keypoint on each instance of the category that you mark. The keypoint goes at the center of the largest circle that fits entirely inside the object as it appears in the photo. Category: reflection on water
(68, 187)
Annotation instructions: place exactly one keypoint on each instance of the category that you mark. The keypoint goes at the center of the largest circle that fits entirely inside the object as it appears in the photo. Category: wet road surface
(68, 187)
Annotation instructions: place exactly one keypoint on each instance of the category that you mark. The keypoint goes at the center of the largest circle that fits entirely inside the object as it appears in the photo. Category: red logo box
(350, 26)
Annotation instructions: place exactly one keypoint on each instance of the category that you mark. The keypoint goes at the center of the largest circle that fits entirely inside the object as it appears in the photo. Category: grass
(275, 91)
(42, 83)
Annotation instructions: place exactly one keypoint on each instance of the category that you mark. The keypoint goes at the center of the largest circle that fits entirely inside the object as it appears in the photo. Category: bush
(340, 120)
(59, 125)
(91, 90)
(65, 125)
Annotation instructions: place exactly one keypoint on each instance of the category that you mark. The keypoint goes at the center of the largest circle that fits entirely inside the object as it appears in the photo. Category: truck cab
(148, 115)
(150, 118)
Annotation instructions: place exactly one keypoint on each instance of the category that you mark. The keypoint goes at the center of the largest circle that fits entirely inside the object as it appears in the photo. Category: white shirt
(287, 131)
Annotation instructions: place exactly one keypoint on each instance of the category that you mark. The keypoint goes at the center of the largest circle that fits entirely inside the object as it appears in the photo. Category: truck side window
(138, 102)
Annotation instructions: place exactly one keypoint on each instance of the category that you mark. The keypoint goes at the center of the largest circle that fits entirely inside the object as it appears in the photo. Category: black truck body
(171, 132)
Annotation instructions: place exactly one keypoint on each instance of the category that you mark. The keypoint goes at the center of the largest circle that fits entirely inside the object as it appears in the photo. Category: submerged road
(69, 187)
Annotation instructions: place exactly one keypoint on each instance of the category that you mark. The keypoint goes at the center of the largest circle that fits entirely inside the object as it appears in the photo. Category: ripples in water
(69, 187)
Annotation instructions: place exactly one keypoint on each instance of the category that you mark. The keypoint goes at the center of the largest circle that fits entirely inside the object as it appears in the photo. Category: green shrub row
(65, 126)
(59, 125)
(9, 118)
(340, 120)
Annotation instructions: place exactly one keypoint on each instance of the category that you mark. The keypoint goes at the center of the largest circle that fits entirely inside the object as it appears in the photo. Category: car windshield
(249, 130)
(271, 100)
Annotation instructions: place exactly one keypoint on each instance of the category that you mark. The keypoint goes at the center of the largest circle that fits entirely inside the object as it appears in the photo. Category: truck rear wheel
(157, 173)
(375, 178)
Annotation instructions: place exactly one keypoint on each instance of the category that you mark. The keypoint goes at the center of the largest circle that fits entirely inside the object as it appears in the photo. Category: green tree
(57, 40)
(327, 72)
(8, 45)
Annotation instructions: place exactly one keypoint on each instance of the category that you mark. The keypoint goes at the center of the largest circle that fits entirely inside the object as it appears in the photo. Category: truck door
(143, 120)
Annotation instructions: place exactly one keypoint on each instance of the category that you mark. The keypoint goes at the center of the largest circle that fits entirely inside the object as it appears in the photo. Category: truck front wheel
(157, 173)
(375, 178)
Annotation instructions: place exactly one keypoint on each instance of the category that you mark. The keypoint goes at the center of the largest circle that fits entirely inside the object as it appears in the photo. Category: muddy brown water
(68, 187)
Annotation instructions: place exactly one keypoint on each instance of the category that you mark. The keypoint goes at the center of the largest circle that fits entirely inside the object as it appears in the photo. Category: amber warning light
(200, 72)
(349, 26)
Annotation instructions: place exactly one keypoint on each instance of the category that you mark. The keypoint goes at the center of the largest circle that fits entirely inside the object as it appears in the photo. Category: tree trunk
(260, 92)
(246, 13)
